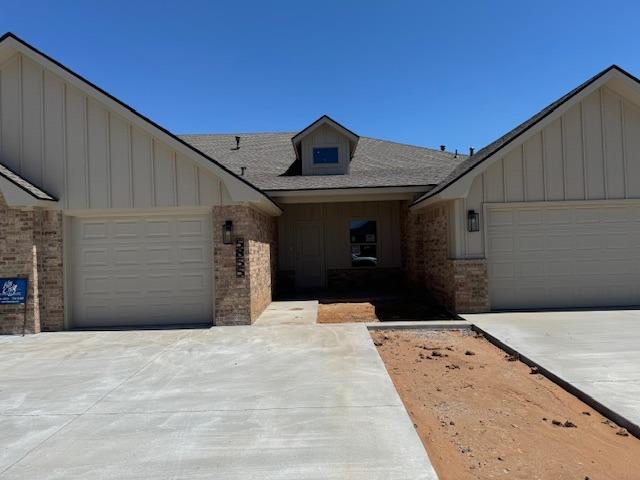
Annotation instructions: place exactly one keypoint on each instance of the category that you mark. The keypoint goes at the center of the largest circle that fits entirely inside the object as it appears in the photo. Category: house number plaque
(239, 257)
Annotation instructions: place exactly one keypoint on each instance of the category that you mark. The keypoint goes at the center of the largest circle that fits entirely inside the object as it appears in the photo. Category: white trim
(134, 212)
(566, 203)
(348, 191)
(324, 120)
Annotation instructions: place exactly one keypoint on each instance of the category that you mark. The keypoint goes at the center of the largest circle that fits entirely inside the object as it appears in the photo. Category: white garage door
(578, 255)
(143, 270)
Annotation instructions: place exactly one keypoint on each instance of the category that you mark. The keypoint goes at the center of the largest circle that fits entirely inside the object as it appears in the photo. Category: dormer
(325, 147)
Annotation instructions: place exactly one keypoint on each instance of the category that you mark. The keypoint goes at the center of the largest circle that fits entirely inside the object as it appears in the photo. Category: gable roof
(324, 120)
(215, 166)
(467, 166)
(272, 164)
(23, 184)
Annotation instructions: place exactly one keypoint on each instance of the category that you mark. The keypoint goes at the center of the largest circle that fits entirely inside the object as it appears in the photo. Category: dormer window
(325, 148)
(325, 155)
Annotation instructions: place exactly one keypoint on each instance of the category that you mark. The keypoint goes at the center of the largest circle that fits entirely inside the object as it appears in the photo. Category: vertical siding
(74, 146)
(591, 153)
(11, 113)
(54, 145)
(328, 137)
(335, 219)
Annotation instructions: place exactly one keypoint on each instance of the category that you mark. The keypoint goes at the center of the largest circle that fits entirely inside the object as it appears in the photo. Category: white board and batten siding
(592, 152)
(85, 154)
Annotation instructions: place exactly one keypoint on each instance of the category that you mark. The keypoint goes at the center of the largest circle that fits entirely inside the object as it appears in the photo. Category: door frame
(323, 270)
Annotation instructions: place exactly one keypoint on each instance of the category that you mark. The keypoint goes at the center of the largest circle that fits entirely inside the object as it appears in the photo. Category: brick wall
(31, 247)
(241, 300)
(460, 284)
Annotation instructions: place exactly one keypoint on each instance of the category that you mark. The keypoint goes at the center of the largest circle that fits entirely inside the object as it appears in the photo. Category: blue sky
(419, 72)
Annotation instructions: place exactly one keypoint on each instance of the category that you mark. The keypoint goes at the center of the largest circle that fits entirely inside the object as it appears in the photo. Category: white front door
(564, 255)
(309, 255)
(141, 270)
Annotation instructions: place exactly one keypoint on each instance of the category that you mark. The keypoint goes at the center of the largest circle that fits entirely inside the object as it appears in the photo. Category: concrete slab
(22, 433)
(597, 352)
(231, 368)
(301, 312)
(281, 402)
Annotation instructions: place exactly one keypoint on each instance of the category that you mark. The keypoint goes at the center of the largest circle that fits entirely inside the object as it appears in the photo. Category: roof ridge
(231, 134)
(435, 150)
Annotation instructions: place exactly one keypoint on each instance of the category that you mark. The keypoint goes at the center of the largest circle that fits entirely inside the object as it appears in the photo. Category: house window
(325, 155)
(364, 243)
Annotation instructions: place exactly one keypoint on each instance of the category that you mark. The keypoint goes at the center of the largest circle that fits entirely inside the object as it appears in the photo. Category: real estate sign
(13, 291)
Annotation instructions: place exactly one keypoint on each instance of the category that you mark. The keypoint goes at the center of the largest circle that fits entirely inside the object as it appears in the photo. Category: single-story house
(116, 221)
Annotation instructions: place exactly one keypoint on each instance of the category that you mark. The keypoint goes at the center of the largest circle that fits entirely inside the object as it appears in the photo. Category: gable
(90, 151)
(592, 152)
(325, 137)
(612, 79)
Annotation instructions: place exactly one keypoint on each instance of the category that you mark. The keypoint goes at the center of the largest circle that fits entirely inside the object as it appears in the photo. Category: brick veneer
(460, 284)
(31, 247)
(240, 300)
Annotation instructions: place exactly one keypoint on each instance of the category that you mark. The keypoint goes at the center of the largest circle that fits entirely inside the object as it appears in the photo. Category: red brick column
(460, 284)
(31, 247)
(241, 300)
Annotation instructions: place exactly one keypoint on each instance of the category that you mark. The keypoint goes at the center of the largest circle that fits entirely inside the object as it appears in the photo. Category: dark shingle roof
(28, 187)
(483, 154)
(271, 162)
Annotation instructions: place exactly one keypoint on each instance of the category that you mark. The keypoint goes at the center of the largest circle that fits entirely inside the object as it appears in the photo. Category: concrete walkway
(598, 352)
(297, 312)
(282, 402)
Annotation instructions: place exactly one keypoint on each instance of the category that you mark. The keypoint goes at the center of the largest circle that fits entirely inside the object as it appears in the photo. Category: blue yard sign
(13, 291)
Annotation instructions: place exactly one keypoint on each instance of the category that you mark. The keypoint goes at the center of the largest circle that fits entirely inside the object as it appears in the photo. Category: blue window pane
(325, 155)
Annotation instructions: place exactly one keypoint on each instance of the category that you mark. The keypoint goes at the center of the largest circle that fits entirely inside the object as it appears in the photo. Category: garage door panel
(142, 270)
(577, 256)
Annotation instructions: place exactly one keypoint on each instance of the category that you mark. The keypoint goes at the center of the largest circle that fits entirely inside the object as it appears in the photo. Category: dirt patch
(482, 416)
(346, 312)
(382, 309)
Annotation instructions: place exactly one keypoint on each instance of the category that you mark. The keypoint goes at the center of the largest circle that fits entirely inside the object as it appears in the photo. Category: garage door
(578, 255)
(143, 270)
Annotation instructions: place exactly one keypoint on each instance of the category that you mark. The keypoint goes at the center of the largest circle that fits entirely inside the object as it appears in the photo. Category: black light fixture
(227, 232)
(473, 221)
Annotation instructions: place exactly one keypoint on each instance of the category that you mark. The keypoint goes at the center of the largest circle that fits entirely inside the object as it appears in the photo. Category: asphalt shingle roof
(271, 162)
(24, 184)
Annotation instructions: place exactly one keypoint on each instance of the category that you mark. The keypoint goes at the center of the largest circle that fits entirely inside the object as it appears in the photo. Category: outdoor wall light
(227, 232)
(473, 221)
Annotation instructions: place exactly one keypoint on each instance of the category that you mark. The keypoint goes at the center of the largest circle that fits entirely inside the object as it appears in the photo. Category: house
(116, 221)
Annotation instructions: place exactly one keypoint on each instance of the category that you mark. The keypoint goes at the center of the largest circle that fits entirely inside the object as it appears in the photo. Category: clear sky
(420, 72)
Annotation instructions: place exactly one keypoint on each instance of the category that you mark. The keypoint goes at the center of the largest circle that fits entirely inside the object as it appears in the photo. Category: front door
(309, 255)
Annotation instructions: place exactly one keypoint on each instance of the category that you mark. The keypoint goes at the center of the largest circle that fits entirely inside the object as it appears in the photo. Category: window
(325, 155)
(364, 243)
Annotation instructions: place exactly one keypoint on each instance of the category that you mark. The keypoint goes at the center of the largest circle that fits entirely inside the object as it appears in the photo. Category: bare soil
(380, 309)
(483, 415)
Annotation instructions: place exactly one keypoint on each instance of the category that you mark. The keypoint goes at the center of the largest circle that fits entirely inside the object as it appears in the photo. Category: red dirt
(382, 309)
(346, 312)
(481, 416)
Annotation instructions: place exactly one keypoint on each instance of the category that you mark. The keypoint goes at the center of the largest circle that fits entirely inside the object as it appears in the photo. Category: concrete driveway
(280, 402)
(598, 352)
